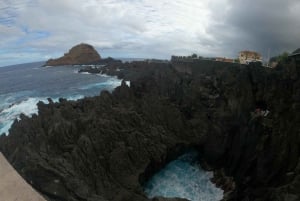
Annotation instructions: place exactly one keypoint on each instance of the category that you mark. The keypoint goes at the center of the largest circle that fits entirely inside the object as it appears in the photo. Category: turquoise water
(184, 178)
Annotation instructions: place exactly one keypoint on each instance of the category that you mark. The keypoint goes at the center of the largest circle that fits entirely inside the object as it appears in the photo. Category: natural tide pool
(184, 178)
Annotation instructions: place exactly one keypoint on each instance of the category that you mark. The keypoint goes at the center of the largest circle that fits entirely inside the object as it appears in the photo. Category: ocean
(23, 86)
(184, 178)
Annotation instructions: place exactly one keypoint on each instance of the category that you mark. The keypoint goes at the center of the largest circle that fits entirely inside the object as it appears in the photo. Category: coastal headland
(243, 119)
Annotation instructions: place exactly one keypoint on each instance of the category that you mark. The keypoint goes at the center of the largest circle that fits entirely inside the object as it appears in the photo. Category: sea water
(184, 178)
(23, 86)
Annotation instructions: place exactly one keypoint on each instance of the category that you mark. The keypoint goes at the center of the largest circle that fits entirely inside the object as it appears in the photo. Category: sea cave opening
(183, 177)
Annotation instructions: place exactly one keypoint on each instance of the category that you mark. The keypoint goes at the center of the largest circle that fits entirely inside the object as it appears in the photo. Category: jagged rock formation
(105, 147)
(79, 54)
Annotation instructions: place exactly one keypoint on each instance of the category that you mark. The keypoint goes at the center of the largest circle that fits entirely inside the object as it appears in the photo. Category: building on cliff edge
(247, 57)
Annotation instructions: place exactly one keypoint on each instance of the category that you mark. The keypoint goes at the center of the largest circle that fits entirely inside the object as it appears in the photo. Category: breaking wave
(110, 83)
(184, 178)
(23, 86)
(27, 107)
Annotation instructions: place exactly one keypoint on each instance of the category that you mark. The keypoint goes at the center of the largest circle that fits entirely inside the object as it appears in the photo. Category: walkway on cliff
(12, 185)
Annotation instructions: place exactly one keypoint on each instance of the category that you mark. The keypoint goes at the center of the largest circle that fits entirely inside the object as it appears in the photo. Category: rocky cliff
(79, 54)
(105, 147)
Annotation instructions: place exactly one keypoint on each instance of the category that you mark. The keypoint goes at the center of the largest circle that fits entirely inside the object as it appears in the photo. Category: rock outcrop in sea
(243, 119)
(79, 54)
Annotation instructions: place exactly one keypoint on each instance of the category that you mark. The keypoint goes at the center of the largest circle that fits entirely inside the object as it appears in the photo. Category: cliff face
(79, 54)
(261, 152)
(103, 148)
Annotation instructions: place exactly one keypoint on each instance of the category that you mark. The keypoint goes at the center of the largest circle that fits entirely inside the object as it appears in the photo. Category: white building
(247, 57)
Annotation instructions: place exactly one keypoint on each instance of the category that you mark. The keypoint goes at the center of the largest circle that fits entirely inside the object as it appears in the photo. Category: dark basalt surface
(127, 71)
(105, 147)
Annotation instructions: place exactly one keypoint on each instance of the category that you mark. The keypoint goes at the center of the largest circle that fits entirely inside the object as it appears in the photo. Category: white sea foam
(20, 91)
(103, 75)
(85, 73)
(27, 107)
(10, 109)
(9, 114)
(112, 83)
(75, 97)
(127, 83)
(185, 179)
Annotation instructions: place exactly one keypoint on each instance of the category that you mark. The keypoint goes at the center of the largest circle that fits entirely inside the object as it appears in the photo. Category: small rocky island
(77, 55)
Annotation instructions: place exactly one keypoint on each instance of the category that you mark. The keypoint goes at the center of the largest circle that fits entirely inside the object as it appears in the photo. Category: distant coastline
(19, 64)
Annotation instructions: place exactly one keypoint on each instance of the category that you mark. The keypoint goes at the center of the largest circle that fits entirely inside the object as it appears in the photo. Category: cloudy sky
(35, 30)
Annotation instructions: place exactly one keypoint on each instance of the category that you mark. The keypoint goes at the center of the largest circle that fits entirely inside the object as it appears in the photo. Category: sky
(36, 30)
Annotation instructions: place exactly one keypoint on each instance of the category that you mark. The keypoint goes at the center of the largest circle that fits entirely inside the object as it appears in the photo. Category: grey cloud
(150, 28)
(263, 25)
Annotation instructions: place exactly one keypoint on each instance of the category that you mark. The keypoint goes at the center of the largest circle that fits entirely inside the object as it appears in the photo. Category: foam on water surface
(27, 107)
(23, 86)
(85, 73)
(12, 112)
(113, 82)
(184, 178)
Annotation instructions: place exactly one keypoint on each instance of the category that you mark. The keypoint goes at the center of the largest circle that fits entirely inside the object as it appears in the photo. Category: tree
(282, 58)
(194, 56)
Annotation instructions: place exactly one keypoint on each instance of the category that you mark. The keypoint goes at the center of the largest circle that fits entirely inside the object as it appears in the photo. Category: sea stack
(79, 54)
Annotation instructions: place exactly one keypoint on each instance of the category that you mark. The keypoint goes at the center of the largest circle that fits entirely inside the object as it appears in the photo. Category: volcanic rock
(79, 54)
(106, 147)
